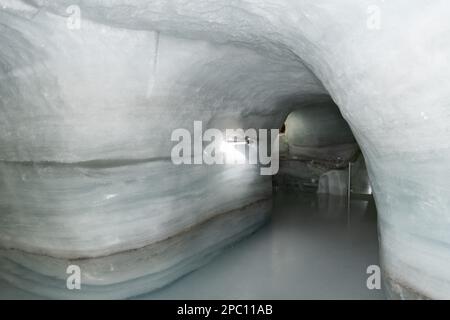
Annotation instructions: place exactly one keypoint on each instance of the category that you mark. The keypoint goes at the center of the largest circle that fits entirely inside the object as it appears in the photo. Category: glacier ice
(319, 132)
(334, 182)
(317, 147)
(86, 116)
(131, 273)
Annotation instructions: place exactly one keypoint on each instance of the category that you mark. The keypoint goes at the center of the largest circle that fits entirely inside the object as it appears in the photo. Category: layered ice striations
(134, 272)
(99, 211)
(86, 117)
(86, 173)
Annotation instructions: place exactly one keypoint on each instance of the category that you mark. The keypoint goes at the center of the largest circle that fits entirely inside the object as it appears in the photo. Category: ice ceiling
(86, 116)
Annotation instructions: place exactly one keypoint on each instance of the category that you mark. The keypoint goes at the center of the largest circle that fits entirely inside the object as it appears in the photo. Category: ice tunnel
(92, 91)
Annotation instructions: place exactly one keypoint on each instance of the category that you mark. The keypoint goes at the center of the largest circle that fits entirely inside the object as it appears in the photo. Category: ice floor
(311, 249)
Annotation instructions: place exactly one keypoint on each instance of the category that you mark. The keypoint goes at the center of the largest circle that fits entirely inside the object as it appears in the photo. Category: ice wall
(86, 117)
(319, 132)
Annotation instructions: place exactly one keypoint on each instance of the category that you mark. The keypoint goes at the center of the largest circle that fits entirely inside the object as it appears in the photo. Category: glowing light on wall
(234, 151)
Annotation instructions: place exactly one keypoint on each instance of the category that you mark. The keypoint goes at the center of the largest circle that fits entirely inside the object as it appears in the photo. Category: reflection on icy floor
(310, 249)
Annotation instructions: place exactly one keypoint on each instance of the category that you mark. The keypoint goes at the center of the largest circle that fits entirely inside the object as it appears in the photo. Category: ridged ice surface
(86, 117)
(131, 273)
(98, 211)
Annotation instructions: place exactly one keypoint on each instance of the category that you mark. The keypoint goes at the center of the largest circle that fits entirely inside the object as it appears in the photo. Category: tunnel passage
(114, 90)
(316, 148)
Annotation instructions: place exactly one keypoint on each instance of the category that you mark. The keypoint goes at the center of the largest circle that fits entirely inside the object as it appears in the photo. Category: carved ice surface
(102, 210)
(134, 272)
(86, 117)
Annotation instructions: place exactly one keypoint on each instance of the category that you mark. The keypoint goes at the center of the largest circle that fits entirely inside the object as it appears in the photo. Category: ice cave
(93, 93)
